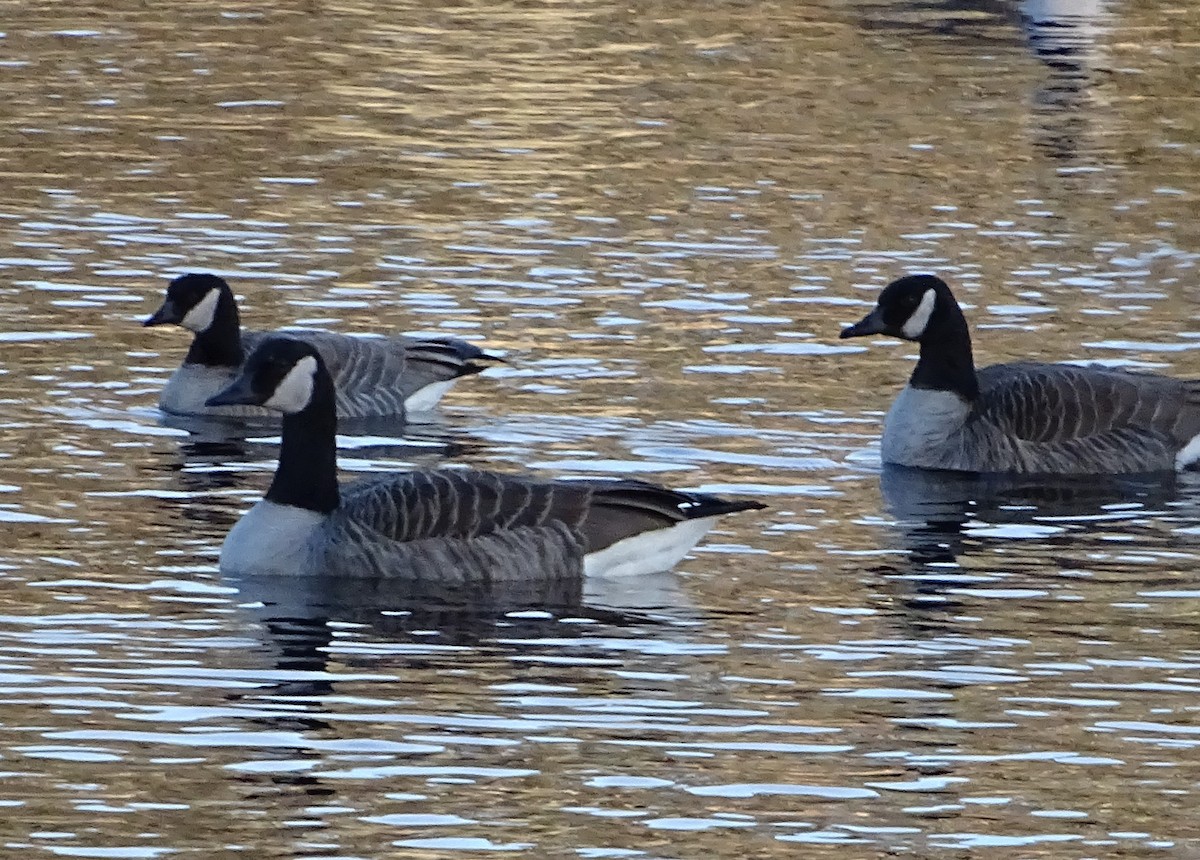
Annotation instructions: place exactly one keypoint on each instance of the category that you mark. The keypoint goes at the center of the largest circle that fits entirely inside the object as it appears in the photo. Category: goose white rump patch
(648, 552)
(1189, 454)
(295, 391)
(914, 326)
(427, 396)
(200, 317)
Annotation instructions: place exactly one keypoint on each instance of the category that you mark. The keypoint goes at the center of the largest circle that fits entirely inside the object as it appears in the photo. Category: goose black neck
(307, 472)
(946, 362)
(219, 345)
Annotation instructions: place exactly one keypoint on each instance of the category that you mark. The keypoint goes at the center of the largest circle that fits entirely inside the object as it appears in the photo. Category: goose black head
(282, 374)
(191, 302)
(905, 308)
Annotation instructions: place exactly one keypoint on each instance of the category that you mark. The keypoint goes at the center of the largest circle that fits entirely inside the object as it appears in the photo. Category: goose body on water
(469, 529)
(373, 377)
(1026, 417)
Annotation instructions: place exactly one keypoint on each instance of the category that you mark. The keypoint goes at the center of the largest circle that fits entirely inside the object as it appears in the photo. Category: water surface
(663, 215)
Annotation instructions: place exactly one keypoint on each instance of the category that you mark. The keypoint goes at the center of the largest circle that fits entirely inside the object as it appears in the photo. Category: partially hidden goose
(472, 529)
(373, 377)
(1026, 417)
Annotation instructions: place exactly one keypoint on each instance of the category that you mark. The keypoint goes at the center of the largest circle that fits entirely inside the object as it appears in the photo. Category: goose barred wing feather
(521, 555)
(1057, 413)
(469, 527)
(496, 526)
(375, 376)
(464, 504)
(1059, 402)
(435, 363)
(369, 374)
(460, 504)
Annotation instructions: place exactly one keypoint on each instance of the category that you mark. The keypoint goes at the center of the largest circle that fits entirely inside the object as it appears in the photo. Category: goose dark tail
(700, 505)
(457, 357)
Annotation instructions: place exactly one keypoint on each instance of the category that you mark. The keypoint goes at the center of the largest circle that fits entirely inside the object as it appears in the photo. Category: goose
(458, 528)
(373, 376)
(1026, 417)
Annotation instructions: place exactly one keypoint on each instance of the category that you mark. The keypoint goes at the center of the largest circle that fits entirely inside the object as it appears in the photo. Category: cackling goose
(467, 529)
(372, 376)
(1027, 417)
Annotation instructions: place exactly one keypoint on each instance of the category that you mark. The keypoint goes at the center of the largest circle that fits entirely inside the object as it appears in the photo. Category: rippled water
(663, 213)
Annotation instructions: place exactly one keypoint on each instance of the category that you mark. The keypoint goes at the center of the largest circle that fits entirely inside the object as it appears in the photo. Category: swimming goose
(372, 376)
(1026, 417)
(469, 529)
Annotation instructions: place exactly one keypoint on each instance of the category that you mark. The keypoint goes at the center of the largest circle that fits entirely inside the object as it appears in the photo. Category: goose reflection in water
(320, 635)
(384, 437)
(943, 516)
(958, 531)
(1067, 36)
(300, 614)
(385, 625)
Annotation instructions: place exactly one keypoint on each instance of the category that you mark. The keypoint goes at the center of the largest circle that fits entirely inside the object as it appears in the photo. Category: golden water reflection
(664, 213)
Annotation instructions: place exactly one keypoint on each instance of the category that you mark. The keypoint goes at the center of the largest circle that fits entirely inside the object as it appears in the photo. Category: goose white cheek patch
(914, 326)
(200, 317)
(295, 391)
